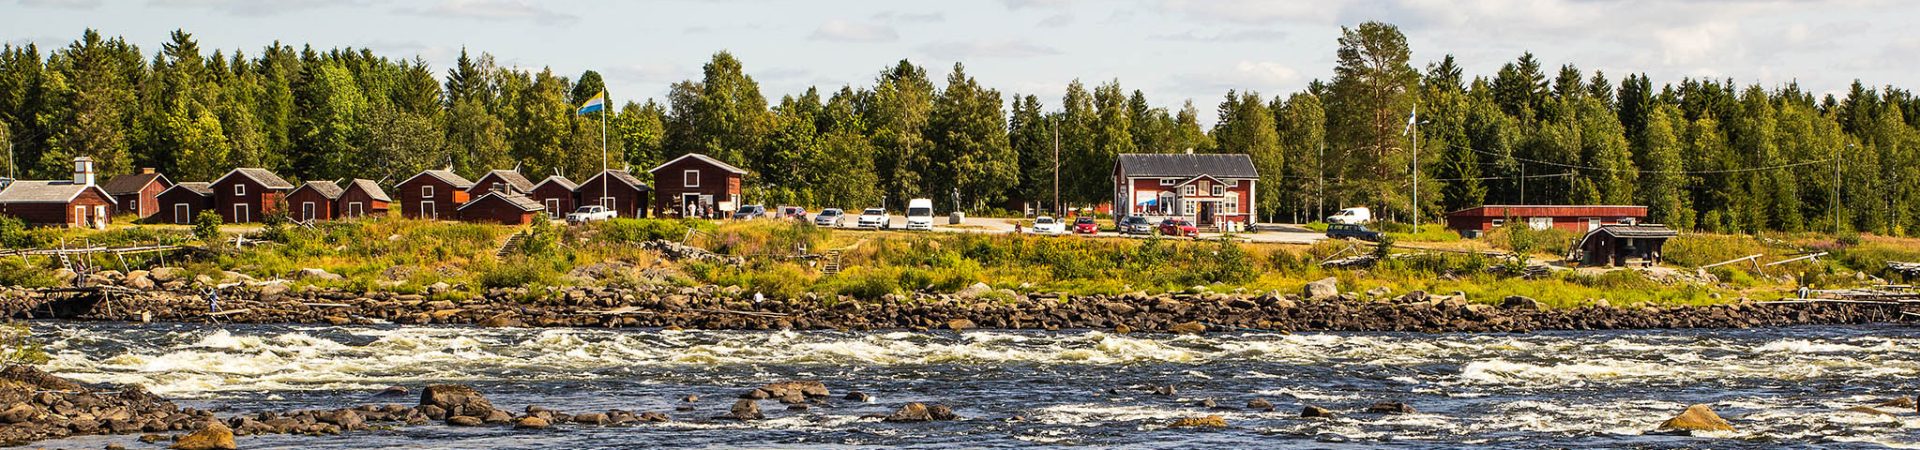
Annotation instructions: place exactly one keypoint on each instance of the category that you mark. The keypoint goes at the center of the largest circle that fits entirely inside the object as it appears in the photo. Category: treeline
(1703, 154)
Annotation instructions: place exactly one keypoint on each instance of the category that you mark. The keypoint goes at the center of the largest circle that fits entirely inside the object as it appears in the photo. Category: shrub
(206, 226)
(519, 272)
(1523, 239)
(634, 231)
(1694, 250)
(13, 233)
(17, 272)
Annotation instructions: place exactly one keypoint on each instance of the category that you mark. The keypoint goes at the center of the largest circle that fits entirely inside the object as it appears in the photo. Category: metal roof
(264, 177)
(201, 188)
(560, 180)
(701, 158)
(327, 189)
(373, 189)
(1634, 231)
(446, 176)
(131, 183)
(42, 191)
(513, 178)
(623, 177)
(1218, 165)
(515, 200)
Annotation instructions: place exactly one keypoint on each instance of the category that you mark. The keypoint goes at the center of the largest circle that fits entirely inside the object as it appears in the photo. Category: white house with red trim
(1208, 189)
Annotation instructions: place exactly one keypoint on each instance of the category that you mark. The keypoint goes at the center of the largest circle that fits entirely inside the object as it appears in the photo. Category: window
(239, 189)
(690, 178)
(1186, 191)
(1540, 223)
(1165, 204)
(1232, 205)
(553, 208)
(1219, 190)
(1233, 183)
(1498, 222)
(1169, 181)
(306, 210)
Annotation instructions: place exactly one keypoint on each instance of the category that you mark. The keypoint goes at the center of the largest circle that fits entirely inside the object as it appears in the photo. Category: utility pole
(1836, 189)
(1523, 182)
(1413, 127)
(1320, 193)
(1056, 165)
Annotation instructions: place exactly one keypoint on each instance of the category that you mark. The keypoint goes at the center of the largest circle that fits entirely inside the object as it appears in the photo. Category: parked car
(1047, 225)
(1351, 215)
(590, 213)
(876, 218)
(1136, 225)
(1352, 231)
(793, 212)
(750, 212)
(1178, 227)
(830, 217)
(920, 214)
(1086, 226)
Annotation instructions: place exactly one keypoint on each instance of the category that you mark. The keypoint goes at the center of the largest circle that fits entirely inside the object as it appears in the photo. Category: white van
(1351, 216)
(920, 214)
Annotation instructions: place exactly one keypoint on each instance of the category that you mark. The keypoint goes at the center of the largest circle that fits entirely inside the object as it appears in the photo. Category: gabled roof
(1187, 165)
(42, 191)
(556, 179)
(621, 176)
(1633, 231)
(327, 189)
(702, 158)
(133, 183)
(372, 189)
(515, 200)
(200, 188)
(264, 177)
(513, 179)
(445, 176)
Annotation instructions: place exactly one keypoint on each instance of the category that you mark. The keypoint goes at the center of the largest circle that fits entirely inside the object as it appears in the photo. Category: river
(1781, 386)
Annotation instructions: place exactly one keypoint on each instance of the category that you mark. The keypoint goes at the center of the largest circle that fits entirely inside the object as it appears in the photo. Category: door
(306, 210)
(182, 214)
(609, 204)
(553, 208)
(427, 212)
(355, 211)
(100, 217)
(1204, 217)
(240, 213)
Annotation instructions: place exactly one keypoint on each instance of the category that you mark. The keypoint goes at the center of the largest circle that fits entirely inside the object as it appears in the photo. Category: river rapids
(1779, 387)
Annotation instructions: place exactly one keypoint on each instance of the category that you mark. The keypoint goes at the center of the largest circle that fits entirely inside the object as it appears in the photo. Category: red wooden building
(178, 204)
(694, 178)
(1573, 218)
(314, 201)
(556, 195)
(77, 203)
(511, 180)
(248, 194)
(432, 193)
(617, 190)
(138, 193)
(363, 198)
(501, 207)
(1208, 189)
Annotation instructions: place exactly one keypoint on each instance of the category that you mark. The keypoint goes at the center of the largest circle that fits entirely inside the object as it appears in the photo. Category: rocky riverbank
(164, 295)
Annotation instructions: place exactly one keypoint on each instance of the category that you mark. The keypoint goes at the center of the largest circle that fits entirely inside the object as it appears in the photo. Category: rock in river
(1391, 408)
(215, 436)
(919, 412)
(1199, 422)
(1696, 418)
(1315, 411)
(744, 410)
(456, 400)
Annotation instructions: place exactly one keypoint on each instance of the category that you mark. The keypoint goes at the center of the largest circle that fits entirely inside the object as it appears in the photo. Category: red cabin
(247, 194)
(1578, 219)
(556, 194)
(429, 194)
(181, 202)
(501, 207)
(363, 198)
(694, 178)
(138, 193)
(76, 203)
(625, 195)
(314, 200)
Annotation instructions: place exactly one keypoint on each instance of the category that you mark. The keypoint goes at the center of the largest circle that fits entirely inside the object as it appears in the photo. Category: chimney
(146, 171)
(83, 171)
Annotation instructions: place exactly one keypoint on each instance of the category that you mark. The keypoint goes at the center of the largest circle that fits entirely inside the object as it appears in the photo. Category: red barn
(510, 180)
(1209, 189)
(501, 207)
(363, 198)
(426, 195)
(178, 204)
(1573, 218)
(624, 194)
(556, 194)
(76, 203)
(247, 194)
(138, 193)
(314, 200)
(697, 179)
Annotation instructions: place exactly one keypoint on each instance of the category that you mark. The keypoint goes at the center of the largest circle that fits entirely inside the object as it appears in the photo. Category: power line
(1668, 172)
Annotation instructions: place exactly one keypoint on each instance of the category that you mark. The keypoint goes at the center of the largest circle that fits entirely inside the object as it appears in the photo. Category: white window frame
(355, 210)
(1219, 190)
(239, 189)
(427, 211)
(1232, 204)
(1169, 181)
(426, 190)
(553, 208)
(1497, 223)
(79, 216)
(610, 203)
(1540, 223)
(241, 213)
(685, 175)
(182, 213)
(1233, 183)
(307, 209)
(1186, 191)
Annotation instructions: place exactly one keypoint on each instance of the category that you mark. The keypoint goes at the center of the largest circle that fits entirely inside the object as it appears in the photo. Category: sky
(1173, 50)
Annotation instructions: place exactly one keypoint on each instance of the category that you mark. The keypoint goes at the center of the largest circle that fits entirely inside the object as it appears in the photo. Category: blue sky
(1172, 49)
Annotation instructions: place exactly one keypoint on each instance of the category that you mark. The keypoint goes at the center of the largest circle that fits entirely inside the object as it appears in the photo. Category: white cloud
(68, 4)
(1697, 44)
(1269, 77)
(1036, 4)
(844, 31)
(500, 10)
(1057, 20)
(899, 16)
(1001, 48)
(253, 8)
(1255, 11)
(1242, 35)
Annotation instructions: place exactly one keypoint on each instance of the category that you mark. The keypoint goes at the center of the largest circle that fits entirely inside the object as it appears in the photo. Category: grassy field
(409, 255)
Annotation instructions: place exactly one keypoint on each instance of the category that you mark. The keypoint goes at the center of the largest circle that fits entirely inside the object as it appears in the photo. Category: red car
(1085, 225)
(1178, 227)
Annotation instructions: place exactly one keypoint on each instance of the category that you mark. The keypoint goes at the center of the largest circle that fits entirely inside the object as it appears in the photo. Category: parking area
(1270, 234)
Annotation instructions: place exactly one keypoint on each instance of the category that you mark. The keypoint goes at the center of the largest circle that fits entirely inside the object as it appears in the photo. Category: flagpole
(603, 149)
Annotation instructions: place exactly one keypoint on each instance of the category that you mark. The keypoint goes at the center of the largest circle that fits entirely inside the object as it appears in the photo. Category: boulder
(786, 389)
(1315, 411)
(503, 320)
(531, 423)
(315, 274)
(973, 291)
(1188, 328)
(392, 392)
(456, 400)
(1868, 410)
(911, 412)
(1260, 404)
(1696, 418)
(465, 421)
(216, 436)
(857, 396)
(960, 324)
(497, 416)
(140, 282)
(164, 274)
(654, 417)
(744, 410)
(590, 418)
(941, 412)
(1199, 422)
(1391, 408)
(1520, 302)
(1901, 402)
(1321, 289)
(18, 413)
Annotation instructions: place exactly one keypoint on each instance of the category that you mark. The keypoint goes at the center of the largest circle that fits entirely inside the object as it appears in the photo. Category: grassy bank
(409, 255)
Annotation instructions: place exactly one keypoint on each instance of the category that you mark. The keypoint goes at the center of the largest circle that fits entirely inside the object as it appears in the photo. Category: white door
(306, 209)
(426, 211)
(355, 211)
(182, 214)
(553, 208)
(240, 213)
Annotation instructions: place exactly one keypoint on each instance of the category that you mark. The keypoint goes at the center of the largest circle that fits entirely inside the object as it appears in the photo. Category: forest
(1703, 154)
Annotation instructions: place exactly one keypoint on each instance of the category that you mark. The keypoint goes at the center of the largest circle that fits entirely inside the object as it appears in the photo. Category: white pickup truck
(590, 213)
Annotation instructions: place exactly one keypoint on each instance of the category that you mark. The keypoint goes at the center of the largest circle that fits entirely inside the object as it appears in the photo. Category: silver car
(830, 217)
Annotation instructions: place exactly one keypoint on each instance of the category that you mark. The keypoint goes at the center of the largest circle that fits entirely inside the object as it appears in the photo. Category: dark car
(1085, 225)
(1136, 225)
(1178, 227)
(750, 212)
(1352, 231)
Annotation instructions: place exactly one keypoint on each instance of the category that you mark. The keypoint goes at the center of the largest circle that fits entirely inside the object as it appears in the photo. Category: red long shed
(138, 193)
(363, 198)
(695, 178)
(556, 194)
(502, 208)
(248, 194)
(178, 204)
(314, 201)
(1573, 218)
(431, 193)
